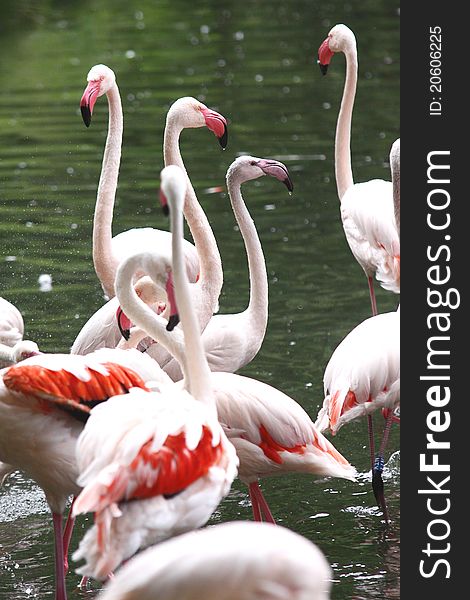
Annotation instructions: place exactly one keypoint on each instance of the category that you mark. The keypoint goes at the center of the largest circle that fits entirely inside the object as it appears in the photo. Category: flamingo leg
(68, 536)
(373, 301)
(254, 502)
(83, 582)
(377, 481)
(370, 426)
(60, 593)
(263, 509)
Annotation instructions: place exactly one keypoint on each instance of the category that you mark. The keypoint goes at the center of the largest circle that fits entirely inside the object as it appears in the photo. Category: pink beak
(217, 124)
(174, 316)
(164, 203)
(276, 169)
(90, 95)
(324, 56)
(124, 323)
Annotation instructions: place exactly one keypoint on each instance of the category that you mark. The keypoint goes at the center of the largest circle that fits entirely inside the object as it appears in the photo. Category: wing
(73, 383)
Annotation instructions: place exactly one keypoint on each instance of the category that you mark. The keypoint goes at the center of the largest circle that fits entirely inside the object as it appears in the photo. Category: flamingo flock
(146, 423)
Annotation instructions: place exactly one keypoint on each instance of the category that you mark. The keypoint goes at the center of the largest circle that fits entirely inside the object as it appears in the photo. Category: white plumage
(232, 561)
(134, 495)
(363, 373)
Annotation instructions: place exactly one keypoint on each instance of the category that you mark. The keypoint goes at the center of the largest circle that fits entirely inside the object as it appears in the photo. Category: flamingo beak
(88, 100)
(324, 56)
(217, 124)
(124, 323)
(173, 322)
(170, 292)
(278, 170)
(164, 203)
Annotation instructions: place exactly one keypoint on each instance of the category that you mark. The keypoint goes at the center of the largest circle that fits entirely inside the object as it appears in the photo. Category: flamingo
(367, 210)
(363, 375)
(44, 401)
(11, 323)
(231, 561)
(101, 329)
(154, 464)
(108, 251)
(232, 340)
(272, 434)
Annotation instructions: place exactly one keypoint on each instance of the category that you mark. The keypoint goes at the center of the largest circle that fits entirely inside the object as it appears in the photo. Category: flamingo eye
(252, 163)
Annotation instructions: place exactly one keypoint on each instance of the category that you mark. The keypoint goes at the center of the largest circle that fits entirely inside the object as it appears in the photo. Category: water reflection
(255, 63)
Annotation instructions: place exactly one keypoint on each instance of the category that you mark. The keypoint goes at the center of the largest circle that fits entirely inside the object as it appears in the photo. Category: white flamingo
(154, 465)
(11, 323)
(231, 561)
(108, 251)
(231, 341)
(272, 434)
(363, 375)
(44, 401)
(367, 210)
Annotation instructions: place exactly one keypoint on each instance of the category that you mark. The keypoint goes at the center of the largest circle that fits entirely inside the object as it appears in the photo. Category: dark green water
(255, 63)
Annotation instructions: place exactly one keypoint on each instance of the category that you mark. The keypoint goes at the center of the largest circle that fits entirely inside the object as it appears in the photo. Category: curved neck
(103, 259)
(258, 305)
(343, 169)
(143, 316)
(197, 369)
(210, 263)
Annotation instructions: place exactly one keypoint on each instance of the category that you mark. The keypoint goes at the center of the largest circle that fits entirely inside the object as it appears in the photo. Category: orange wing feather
(68, 391)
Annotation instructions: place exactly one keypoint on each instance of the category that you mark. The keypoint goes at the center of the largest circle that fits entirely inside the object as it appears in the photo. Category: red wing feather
(174, 467)
(65, 389)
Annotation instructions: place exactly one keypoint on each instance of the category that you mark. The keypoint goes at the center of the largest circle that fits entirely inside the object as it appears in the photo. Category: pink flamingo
(363, 375)
(108, 251)
(272, 434)
(101, 329)
(157, 464)
(231, 561)
(232, 340)
(367, 209)
(44, 401)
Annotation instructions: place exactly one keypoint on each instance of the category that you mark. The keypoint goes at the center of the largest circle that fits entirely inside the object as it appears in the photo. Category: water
(255, 63)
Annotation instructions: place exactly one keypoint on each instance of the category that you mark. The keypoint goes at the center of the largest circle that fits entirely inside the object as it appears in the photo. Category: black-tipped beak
(172, 322)
(126, 333)
(165, 209)
(86, 114)
(323, 68)
(288, 183)
(223, 139)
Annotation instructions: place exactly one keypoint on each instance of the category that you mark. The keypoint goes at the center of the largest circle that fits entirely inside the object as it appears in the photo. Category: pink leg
(83, 583)
(254, 502)
(377, 482)
(68, 536)
(370, 426)
(262, 504)
(373, 301)
(60, 593)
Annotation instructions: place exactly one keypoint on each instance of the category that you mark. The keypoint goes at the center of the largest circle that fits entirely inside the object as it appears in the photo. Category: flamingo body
(272, 433)
(11, 323)
(150, 469)
(232, 561)
(363, 373)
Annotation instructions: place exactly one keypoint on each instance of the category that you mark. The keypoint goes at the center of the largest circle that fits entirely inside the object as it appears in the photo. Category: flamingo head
(100, 80)
(339, 38)
(172, 189)
(155, 292)
(191, 113)
(245, 168)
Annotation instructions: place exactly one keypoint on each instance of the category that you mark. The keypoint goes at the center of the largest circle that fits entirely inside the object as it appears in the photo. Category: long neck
(257, 310)
(198, 373)
(103, 259)
(395, 167)
(210, 263)
(143, 316)
(344, 176)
